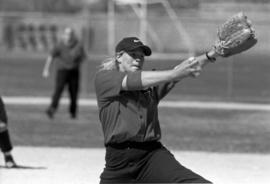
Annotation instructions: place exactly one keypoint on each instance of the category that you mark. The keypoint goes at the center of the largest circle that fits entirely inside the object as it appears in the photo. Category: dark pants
(68, 78)
(145, 163)
(5, 143)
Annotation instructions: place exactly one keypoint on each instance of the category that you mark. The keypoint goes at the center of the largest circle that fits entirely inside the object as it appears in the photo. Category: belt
(136, 145)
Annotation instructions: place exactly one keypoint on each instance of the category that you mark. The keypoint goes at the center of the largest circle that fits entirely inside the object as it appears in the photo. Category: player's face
(68, 36)
(132, 61)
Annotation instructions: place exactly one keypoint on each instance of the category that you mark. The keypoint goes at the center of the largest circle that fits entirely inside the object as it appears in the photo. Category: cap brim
(146, 50)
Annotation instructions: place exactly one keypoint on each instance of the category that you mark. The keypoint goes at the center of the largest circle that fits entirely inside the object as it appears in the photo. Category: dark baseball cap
(132, 43)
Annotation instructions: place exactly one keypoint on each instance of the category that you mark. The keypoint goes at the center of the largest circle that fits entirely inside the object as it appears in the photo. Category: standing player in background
(5, 143)
(68, 55)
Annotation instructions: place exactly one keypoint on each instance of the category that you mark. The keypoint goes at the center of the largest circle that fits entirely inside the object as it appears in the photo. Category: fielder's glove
(234, 36)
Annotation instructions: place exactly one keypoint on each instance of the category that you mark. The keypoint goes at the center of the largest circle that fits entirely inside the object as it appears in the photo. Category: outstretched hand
(45, 74)
(189, 67)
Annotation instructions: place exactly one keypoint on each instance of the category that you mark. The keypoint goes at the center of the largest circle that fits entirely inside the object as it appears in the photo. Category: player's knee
(3, 127)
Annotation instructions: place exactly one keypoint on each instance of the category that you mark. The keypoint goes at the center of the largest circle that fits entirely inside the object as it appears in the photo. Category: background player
(68, 55)
(5, 143)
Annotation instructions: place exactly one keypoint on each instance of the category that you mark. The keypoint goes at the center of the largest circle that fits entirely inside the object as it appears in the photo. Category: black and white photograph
(134, 91)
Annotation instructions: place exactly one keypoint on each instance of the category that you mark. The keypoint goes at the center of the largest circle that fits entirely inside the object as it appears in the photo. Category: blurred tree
(8, 36)
(68, 6)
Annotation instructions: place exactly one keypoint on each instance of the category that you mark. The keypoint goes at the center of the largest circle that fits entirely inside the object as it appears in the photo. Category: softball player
(5, 143)
(68, 55)
(128, 110)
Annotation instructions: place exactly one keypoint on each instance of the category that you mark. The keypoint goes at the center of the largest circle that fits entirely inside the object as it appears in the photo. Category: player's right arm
(189, 67)
(144, 79)
(46, 68)
(55, 52)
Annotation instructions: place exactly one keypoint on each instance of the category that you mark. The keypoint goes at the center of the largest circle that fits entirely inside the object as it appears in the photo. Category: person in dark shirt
(128, 101)
(5, 142)
(68, 55)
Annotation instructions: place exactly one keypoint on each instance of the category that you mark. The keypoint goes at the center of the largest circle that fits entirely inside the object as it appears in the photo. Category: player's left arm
(83, 54)
(208, 57)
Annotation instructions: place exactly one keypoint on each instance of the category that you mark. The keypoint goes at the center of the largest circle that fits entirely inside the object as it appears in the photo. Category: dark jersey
(128, 115)
(68, 56)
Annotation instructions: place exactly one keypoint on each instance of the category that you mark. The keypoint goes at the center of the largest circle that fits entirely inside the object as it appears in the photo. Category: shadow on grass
(23, 167)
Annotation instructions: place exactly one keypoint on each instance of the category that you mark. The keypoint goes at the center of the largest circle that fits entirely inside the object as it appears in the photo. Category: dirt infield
(81, 166)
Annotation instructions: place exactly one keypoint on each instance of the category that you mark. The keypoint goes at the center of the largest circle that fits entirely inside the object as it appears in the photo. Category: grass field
(183, 129)
(243, 78)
